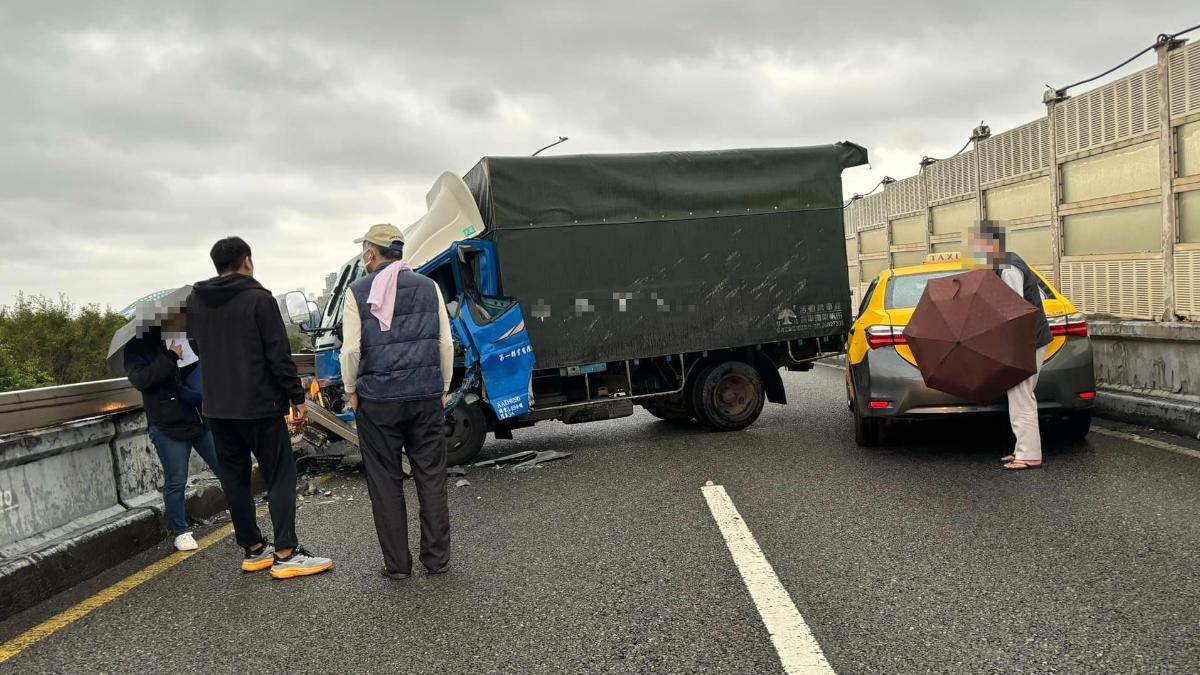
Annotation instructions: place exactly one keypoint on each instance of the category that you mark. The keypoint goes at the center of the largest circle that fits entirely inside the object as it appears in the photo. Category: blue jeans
(174, 456)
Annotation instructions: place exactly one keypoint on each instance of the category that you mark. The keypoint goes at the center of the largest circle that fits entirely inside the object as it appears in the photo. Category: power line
(927, 160)
(857, 196)
(1165, 37)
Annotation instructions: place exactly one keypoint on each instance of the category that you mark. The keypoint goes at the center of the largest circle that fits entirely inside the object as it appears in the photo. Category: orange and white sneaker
(300, 563)
(260, 560)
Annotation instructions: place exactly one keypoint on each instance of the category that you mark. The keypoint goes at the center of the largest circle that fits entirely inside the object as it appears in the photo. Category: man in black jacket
(160, 373)
(250, 382)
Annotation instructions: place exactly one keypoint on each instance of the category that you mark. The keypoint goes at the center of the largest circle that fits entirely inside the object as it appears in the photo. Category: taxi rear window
(904, 292)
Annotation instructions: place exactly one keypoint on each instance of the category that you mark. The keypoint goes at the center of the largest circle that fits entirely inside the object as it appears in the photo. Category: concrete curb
(38, 575)
(53, 566)
(1173, 415)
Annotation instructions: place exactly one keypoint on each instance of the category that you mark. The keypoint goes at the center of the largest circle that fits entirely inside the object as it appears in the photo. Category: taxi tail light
(885, 336)
(880, 405)
(1074, 325)
(1087, 395)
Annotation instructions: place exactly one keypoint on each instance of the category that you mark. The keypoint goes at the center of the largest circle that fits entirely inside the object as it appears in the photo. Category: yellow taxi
(883, 384)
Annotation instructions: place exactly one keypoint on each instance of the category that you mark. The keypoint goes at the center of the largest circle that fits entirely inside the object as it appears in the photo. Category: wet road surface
(921, 557)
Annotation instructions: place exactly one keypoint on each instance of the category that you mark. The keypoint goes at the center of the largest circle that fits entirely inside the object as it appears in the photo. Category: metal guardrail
(37, 408)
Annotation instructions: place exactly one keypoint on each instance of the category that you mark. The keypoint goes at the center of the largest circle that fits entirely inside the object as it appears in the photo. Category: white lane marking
(797, 648)
(1154, 443)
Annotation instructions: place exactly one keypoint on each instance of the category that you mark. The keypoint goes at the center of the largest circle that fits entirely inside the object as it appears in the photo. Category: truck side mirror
(297, 308)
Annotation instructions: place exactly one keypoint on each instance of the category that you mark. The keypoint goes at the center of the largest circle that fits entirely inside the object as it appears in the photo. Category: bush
(44, 342)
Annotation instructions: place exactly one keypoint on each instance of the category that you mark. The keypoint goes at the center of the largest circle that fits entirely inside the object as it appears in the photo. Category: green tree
(53, 338)
(15, 374)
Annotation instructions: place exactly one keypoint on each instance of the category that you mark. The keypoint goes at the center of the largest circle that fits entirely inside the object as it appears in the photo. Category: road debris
(541, 458)
(515, 457)
(455, 472)
(462, 482)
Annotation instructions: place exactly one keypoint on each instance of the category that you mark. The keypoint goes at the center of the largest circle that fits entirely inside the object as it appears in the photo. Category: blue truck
(580, 286)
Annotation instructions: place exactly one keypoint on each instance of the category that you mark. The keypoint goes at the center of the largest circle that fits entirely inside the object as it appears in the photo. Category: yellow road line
(49, 627)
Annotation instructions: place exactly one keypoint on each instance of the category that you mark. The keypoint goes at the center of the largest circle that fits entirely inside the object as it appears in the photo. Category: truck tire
(665, 409)
(868, 431)
(727, 396)
(466, 430)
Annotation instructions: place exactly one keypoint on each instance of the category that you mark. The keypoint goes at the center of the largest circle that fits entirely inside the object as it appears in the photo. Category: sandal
(1021, 465)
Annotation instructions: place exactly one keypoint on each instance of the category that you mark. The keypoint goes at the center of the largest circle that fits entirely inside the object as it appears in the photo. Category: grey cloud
(141, 132)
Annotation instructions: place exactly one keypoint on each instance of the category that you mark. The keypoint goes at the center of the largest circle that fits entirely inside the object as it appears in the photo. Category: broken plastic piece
(515, 457)
(462, 482)
(541, 458)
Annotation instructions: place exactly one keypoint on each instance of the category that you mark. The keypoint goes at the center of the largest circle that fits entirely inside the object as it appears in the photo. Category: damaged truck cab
(581, 286)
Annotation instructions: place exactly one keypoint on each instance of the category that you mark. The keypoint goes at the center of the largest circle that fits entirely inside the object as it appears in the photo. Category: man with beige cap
(397, 361)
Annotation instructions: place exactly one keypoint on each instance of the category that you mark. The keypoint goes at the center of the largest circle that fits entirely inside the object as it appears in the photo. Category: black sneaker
(394, 576)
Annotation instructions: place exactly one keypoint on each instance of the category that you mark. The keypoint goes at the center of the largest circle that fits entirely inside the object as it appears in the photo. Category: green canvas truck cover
(629, 256)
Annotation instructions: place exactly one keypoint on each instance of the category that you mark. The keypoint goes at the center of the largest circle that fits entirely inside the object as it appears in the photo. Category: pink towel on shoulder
(382, 299)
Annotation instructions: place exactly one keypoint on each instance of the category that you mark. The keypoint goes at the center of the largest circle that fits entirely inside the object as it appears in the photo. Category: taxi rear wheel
(868, 431)
(1076, 426)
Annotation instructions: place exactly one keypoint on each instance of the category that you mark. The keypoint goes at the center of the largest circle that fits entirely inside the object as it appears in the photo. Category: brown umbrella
(973, 337)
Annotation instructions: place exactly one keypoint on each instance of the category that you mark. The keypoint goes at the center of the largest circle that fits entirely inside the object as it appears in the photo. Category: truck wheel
(728, 396)
(466, 430)
(1076, 426)
(868, 431)
(664, 408)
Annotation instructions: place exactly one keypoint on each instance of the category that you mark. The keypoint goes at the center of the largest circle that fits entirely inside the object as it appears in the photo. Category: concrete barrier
(52, 477)
(1149, 373)
(78, 498)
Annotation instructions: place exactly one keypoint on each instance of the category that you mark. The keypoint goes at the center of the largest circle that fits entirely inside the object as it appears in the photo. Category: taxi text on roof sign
(948, 256)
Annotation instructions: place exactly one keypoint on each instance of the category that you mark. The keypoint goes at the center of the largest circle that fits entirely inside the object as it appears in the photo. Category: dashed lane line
(794, 642)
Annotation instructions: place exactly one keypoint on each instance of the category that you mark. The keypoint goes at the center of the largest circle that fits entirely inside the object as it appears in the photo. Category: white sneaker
(186, 542)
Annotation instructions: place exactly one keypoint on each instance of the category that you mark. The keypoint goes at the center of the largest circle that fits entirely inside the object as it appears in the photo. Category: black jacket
(1032, 295)
(152, 369)
(239, 334)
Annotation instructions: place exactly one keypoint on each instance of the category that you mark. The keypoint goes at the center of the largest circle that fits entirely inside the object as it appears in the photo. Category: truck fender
(768, 370)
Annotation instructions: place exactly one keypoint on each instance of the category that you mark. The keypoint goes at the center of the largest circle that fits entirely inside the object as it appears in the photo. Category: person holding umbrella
(988, 243)
(161, 364)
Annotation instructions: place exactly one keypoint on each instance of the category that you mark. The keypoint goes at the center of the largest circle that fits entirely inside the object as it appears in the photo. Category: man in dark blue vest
(397, 361)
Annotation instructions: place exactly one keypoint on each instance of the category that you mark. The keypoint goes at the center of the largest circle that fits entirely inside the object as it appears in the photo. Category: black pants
(385, 430)
(268, 440)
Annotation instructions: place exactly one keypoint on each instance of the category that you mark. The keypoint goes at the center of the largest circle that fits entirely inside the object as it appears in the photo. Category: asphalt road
(923, 557)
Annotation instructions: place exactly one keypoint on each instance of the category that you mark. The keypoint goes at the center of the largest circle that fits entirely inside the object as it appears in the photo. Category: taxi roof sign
(948, 256)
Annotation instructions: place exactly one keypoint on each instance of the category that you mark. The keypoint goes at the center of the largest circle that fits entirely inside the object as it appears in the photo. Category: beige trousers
(1023, 415)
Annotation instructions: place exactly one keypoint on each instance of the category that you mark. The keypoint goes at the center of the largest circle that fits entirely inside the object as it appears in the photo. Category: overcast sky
(134, 135)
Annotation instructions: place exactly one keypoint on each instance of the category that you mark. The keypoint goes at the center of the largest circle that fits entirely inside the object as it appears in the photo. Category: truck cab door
(494, 328)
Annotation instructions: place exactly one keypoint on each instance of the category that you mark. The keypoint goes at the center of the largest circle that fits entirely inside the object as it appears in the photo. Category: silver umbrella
(147, 314)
